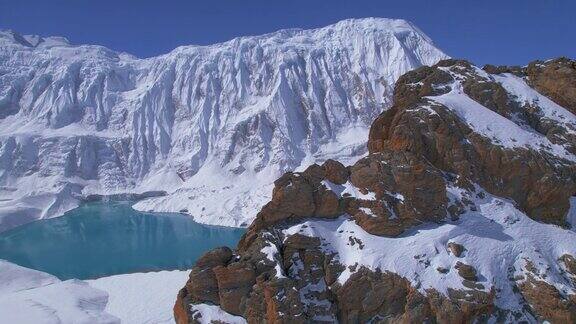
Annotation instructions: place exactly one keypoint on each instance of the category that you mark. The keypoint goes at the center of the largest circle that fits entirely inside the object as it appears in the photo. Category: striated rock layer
(212, 126)
(462, 212)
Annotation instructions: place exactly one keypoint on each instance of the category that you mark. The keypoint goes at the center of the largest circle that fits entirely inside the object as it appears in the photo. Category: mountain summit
(211, 126)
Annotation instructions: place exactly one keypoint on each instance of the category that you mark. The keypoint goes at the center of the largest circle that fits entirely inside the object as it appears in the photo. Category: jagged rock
(555, 79)
(234, 284)
(216, 257)
(456, 249)
(293, 195)
(181, 307)
(461, 306)
(403, 174)
(202, 284)
(547, 302)
(368, 295)
(327, 204)
(275, 302)
(569, 262)
(466, 271)
(416, 124)
(492, 69)
(336, 172)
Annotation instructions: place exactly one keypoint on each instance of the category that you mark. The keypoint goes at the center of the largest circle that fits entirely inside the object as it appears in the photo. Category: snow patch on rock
(497, 237)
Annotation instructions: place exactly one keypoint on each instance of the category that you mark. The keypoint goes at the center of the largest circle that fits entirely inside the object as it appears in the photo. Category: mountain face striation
(211, 126)
(463, 211)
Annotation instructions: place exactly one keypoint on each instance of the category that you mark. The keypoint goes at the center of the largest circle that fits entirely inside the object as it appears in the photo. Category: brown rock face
(202, 284)
(336, 172)
(547, 302)
(390, 175)
(555, 79)
(569, 262)
(539, 183)
(466, 271)
(407, 191)
(181, 307)
(295, 196)
(369, 295)
(234, 284)
(456, 249)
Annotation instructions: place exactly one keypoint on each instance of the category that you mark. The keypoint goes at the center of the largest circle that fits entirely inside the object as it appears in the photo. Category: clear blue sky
(483, 31)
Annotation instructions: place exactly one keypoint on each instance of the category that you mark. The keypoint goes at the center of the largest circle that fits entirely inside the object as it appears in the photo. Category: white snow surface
(498, 239)
(213, 126)
(272, 254)
(32, 297)
(142, 298)
(517, 87)
(501, 130)
(213, 313)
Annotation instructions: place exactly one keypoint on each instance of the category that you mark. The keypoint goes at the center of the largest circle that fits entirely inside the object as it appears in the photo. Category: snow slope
(30, 296)
(141, 298)
(212, 126)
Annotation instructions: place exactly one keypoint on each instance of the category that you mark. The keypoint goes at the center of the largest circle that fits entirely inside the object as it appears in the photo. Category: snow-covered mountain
(212, 126)
(464, 211)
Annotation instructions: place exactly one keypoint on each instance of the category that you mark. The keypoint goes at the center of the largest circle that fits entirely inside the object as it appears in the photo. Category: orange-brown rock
(368, 295)
(547, 302)
(456, 249)
(234, 285)
(327, 203)
(461, 306)
(466, 271)
(540, 185)
(202, 284)
(181, 307)
(569, 263)
(392, 174)
(336, 172)
(555, 79)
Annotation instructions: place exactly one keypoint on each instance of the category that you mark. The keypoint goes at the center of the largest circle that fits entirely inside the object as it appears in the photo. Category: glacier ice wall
(212, 126)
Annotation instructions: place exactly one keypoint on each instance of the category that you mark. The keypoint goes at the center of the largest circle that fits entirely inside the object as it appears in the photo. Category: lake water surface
(106, 238)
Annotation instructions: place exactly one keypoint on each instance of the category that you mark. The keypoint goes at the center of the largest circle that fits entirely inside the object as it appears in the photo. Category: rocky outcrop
(456, 249)
(442, 222)
(394, 191)
(538, 181)
(555, 79)
(306, 290)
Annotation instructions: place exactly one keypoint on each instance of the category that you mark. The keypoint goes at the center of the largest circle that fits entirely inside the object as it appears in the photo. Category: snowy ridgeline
(212, 126)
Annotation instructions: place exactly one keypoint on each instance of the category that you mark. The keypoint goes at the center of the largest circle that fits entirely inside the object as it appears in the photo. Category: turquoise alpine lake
(106, 238)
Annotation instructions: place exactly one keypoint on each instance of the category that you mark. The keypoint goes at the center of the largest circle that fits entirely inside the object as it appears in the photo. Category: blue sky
(498, 32)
